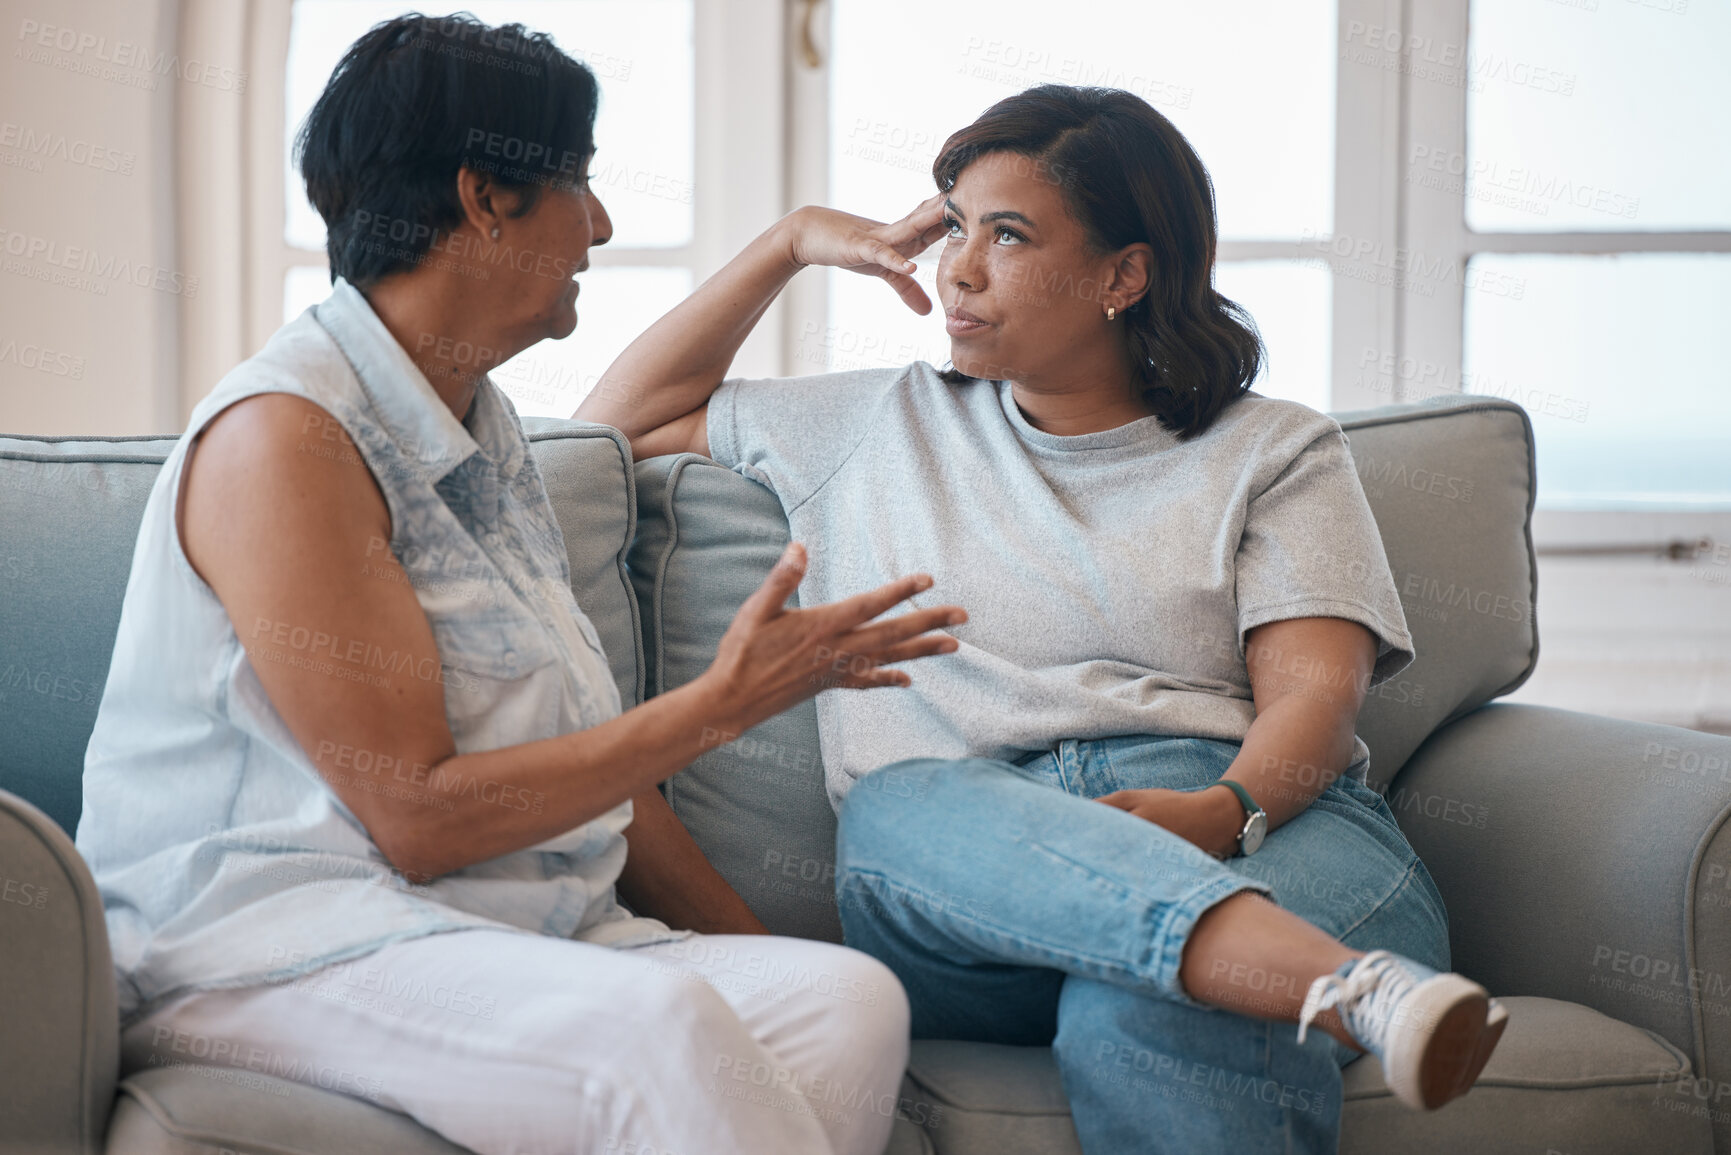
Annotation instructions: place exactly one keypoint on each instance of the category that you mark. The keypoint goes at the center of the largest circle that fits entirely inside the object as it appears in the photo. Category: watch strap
(1244, 798)
(1251, 813)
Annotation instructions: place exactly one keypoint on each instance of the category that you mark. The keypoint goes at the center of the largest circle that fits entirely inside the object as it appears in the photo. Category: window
(1562, 155)
(1260, 109)
(1520, 198)
(643, 52)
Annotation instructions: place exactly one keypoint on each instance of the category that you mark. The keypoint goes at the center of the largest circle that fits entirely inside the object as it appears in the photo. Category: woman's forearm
(1293, 750)
(680, 360)
(667, 877)
(482, 805)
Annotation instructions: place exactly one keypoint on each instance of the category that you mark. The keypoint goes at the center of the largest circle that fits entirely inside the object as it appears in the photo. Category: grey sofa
(1583, 859)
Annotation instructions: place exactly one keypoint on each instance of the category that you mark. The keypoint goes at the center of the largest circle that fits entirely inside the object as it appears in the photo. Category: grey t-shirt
(1109, 578)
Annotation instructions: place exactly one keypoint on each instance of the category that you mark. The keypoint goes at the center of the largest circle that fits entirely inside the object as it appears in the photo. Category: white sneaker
(1433, 1032)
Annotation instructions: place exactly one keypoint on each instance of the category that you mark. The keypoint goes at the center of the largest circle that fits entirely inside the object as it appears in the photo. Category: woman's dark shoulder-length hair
(1127, 175)
(414, 100)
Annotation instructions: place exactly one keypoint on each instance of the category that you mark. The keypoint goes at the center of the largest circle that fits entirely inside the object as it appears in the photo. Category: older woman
(1178, 601)
(360, 787)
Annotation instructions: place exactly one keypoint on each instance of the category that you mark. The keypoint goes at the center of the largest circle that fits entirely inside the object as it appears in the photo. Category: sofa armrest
(59, 1026)
(1585, 858)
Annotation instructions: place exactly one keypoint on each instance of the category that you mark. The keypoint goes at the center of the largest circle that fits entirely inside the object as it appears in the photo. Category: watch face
(1255, 831)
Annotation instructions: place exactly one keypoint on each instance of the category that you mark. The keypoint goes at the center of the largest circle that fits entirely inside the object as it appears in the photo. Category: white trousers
(513, 1044)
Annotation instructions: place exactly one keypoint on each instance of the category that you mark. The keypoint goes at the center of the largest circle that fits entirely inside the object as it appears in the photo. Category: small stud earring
(495, 232)
(1111, 312)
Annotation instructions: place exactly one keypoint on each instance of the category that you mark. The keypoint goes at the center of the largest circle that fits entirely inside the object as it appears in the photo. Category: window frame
(1432, 330)
(751, 70)
(1378, 111)
(738, 184)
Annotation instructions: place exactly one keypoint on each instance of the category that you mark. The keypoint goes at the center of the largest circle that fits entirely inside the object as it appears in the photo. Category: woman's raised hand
(772, 658)
(821, 236)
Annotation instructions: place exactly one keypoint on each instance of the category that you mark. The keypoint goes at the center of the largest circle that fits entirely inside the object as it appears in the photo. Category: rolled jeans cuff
(1184, 912)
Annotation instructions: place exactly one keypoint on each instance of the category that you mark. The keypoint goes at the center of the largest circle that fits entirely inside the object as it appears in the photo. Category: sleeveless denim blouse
(223, 857)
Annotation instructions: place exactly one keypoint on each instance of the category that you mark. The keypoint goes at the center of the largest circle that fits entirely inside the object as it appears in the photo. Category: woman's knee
(862, 1005)
(880, 1018)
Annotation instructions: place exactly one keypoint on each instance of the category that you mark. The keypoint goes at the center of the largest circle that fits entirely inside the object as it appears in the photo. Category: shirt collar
(427, 435)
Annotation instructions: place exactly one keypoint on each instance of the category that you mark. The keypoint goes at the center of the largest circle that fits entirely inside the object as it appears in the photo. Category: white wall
(87, 98)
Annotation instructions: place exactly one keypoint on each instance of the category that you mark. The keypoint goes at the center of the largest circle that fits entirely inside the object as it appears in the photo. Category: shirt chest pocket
(503, 684)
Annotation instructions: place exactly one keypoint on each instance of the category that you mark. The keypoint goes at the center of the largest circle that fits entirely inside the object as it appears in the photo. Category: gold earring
(1111, 313)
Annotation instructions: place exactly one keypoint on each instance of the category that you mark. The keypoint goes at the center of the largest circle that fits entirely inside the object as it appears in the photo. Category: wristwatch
(1255, 819)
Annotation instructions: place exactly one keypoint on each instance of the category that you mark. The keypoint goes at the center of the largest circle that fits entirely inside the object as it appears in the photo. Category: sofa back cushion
(755, 802)
(1450, 483)
(69, 515)
(587, 470)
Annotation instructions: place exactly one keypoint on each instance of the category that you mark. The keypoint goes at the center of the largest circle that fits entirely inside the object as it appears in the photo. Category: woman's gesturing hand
(821, 236)
(772, 658)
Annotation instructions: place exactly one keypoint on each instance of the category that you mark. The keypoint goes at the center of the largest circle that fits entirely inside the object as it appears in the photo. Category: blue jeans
(1014, 910)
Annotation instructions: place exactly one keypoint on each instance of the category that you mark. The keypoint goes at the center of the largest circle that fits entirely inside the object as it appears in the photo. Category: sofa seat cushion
(218, 1111)
(985, 1098)
(210, 1110)
(1565, 1078)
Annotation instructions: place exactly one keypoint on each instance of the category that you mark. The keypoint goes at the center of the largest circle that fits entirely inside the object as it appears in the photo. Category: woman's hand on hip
(772, 657)
(822, 236)
(1209, 819)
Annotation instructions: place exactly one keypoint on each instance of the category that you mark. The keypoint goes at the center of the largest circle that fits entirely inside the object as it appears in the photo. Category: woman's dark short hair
(1128, 176)
(416, 99)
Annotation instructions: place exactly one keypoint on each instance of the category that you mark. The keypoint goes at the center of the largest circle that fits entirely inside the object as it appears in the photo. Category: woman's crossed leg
(1016, 910)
